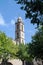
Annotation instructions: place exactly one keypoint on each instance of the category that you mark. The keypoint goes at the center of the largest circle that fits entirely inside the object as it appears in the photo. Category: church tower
(19, 31)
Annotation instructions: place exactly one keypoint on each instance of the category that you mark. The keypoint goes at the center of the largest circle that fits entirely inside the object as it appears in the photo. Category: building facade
(19, 31)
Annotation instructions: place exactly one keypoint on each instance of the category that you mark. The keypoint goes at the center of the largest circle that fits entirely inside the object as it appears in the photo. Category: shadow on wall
(6, 63)
(29, 63)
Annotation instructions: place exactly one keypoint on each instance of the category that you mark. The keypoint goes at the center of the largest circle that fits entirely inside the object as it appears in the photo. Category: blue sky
(9, 12)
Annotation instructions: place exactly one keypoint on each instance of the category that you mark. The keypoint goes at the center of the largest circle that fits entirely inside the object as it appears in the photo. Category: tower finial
(19, 19)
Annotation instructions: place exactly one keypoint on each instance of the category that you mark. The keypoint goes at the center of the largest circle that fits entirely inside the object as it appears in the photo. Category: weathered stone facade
(37, 61)
(19, 31)
(15, 61)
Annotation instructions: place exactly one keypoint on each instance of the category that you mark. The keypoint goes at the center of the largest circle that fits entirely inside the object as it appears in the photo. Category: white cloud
(2, 22)
(12, 22)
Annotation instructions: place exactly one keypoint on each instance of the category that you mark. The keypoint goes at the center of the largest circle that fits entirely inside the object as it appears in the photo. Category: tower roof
(19, 19)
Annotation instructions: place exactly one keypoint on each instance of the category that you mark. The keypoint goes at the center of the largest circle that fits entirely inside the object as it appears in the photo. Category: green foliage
(7, 47)
(22, 52)
(36, 46)
(34, 10)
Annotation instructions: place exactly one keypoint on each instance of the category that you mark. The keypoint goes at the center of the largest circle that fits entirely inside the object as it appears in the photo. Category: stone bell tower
(19, 31)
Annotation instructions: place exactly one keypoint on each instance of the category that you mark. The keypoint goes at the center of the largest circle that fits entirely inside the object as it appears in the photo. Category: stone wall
(37, 61)
(15, 61)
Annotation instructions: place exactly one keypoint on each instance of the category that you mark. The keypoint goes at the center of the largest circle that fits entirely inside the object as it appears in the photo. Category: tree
(36, 46)
(22, 53)
(7, 47)
(34, 10)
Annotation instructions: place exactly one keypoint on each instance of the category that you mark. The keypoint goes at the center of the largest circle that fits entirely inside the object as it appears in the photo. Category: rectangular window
(17, 35)
(17, 26)
(22, 27)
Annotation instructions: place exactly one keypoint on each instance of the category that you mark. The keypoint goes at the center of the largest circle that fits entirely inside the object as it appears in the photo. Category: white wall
(15, 61)
(38, 62)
